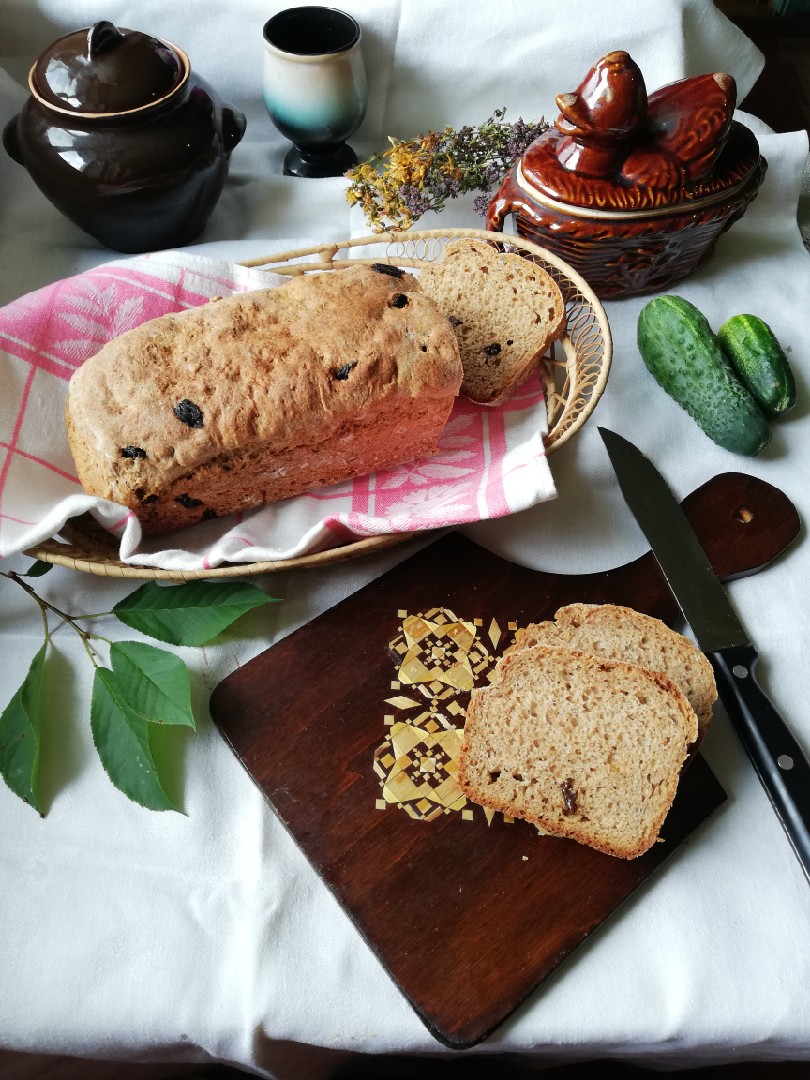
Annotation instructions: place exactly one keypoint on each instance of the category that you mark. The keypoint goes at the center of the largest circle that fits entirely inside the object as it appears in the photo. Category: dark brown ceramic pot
(124, 139)
(631, 191)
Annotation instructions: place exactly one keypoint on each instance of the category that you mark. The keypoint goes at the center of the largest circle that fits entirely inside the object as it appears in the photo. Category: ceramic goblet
(315, 87)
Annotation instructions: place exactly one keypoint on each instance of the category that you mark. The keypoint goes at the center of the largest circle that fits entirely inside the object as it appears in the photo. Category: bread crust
(263, 395)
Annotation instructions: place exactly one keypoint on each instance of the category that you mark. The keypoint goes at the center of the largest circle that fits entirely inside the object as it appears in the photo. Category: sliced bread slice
(505, 311)
(584, 748)
(620, 633)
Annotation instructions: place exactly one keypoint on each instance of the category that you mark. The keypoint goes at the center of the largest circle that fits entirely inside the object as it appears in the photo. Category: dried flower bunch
(396, 187)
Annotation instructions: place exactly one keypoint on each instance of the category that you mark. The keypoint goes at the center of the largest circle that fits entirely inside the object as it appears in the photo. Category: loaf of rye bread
(264, 395)
(584, 748)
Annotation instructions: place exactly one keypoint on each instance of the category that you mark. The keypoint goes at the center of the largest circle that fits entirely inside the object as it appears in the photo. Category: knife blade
(779, 761)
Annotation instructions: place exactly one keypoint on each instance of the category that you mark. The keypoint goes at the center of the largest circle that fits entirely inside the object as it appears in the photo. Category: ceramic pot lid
(104, 70)
(614, 149)
(542, 178)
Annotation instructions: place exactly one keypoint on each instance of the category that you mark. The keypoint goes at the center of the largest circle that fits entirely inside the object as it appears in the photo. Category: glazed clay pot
(634, 191)
(124, 139)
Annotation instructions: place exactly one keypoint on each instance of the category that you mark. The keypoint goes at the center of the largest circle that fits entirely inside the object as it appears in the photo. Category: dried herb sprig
(397, 186)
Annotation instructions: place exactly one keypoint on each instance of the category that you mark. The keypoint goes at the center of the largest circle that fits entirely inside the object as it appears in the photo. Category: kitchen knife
(781, 765)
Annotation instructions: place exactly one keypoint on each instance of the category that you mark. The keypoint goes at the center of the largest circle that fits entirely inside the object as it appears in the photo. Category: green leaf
(19, 735)
(37, 569)
(189, 614)
(154, 683)
(122, 742)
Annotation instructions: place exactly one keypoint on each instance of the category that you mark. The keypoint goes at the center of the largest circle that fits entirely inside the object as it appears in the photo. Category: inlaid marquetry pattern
(438, 659)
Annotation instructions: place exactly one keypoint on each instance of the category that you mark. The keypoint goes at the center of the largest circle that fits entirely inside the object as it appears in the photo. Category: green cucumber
(681, 352)
(759, 362)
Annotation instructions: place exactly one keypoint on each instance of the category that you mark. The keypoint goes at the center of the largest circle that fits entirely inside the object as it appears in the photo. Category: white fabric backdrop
(131, 934)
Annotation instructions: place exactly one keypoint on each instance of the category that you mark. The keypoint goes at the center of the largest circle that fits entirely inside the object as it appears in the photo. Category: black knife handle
(781, 765)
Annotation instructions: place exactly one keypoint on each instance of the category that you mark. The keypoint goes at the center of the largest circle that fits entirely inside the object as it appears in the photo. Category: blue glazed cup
(315, 88)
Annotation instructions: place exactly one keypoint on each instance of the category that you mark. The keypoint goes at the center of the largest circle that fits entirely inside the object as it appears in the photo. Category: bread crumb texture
(620, 633)
(263, 395)
(583, 747)
(506, 311)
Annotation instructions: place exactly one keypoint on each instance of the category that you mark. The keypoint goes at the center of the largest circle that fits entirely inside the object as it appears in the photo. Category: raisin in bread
(264, 395)
(506, 311)
(584, 748)
(620, 633)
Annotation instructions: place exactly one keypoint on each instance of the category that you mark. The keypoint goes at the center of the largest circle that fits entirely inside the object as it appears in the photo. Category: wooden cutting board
(467, 913)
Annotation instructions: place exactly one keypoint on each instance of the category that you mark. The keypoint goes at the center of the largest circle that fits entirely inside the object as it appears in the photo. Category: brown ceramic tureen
(123, 138)
(633, 191)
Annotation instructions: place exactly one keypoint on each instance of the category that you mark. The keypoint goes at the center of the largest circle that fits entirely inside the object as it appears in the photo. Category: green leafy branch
(143, 688)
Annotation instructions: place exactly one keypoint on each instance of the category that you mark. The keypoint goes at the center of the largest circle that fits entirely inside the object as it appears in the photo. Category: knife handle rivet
(740, 671)
(785, 762)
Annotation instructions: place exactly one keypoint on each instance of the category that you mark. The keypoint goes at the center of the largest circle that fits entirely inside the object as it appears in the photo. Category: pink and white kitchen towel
(490, 462)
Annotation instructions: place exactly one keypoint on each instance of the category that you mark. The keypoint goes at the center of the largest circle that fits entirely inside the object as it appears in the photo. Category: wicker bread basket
(574, 374)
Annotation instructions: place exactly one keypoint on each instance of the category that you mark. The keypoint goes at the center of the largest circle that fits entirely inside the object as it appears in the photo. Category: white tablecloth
(165, 936)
